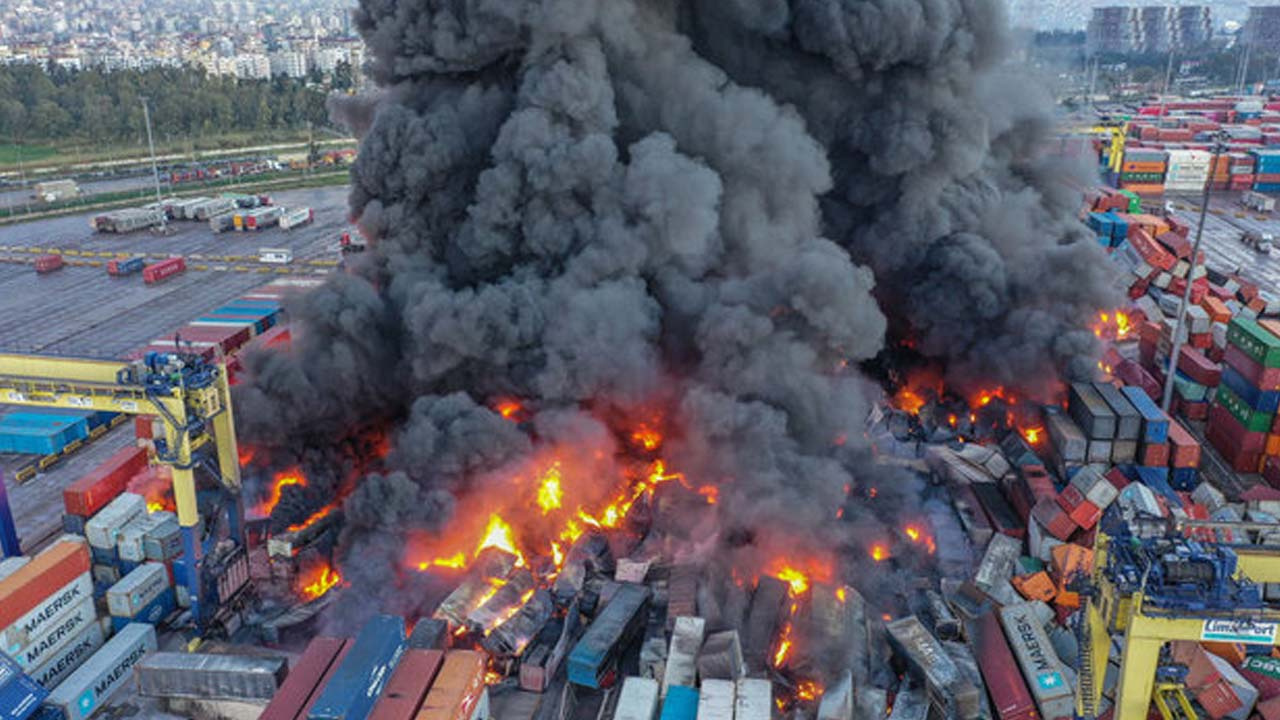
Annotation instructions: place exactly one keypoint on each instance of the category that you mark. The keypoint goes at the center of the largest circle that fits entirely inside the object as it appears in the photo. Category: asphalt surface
(1222, 247)
(81, 311)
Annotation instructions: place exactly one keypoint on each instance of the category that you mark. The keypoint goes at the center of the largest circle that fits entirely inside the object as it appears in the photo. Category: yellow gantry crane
(1148, 624)
(1113, 134)
(189, 396)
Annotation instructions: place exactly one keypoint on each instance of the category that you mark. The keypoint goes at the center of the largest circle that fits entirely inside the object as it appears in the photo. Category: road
(1222, 247)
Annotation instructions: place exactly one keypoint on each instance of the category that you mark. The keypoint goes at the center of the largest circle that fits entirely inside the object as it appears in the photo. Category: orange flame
(647, 438)
(498, 534)
(784, 646)
(321, 581)
(908, 400)
(798, 581)
(292, 476)
(879, 552)
(315, 517)
(711, 493)
(1033, 435)
(1113, 326)
(808, 690)
(551, 491)
(155, 507)
(508, 409)
(454, 562)
(920, 536)
(841, 595)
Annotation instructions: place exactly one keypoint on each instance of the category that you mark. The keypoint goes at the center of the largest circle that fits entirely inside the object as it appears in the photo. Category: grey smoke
(600, 208)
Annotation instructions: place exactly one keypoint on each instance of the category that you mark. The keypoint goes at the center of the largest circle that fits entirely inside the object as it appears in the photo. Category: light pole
(155, 169)
(1219, 146)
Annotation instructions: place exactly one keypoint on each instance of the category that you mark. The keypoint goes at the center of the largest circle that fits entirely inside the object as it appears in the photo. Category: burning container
(1041, 668)
(355, 686)
(110, 669)
(591, 661)
(459, 692)
(210, 677)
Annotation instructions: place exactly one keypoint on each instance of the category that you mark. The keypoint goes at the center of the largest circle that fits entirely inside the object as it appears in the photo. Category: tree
(343, 76)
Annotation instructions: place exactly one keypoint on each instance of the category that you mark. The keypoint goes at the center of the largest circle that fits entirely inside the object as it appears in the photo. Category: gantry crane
(1162, 588)
(1114, 134)
(192, 400)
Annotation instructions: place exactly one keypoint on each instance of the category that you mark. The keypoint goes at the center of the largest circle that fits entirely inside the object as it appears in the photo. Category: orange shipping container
(1217, 309)
(458, 689)
(1273, 445)
(1070, 561)
(38, 579)
(1231, 652)
(1035, 587)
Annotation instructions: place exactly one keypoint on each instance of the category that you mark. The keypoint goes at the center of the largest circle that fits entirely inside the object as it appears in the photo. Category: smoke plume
(702, 211)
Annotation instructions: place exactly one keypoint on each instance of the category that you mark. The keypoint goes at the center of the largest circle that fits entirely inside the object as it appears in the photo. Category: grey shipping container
(110, 669)
(638, 699)
(929, 660)
(146, 583)
(715, 700)
(68, 659)
(1040, 666)
(210, 677)
(1068, 441)
(1128, 419)
(57, 634)
(754, 699)
(1091, 412)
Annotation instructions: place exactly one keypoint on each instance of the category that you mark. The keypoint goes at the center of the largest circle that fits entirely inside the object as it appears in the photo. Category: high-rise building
(1262, 28)
(1151, 29)
(1112, 30)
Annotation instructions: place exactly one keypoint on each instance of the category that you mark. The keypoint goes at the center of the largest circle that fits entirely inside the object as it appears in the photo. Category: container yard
(605, 428)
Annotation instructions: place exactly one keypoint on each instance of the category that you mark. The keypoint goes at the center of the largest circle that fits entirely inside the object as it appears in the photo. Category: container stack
(1268, 171)
(1242, 423)
(1188, 171)
(20, 694)
(1143, 170)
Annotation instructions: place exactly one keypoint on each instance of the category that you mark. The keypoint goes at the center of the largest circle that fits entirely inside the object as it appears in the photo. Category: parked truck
(1258, 202)
(1258, 241)
(55, 190)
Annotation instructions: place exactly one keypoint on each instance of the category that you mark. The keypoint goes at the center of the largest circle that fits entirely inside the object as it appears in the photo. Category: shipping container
(1257, 343)
(29, 586)
(1128, 419)
(681, 703)
(36, 621)
(638, 699)
(103, 529)
(754, 699)
(48, 263)
(308, 676)
(59, 665)
(39, 434)
(408, 686)
(355, 686)
(138, 589)
(110, 669)
(591, 661)
(163, 269)
(715, 700)
(209, 677)
(682, 655)
(296, 218)
(55, 634)
(1041, 668)
(1184, 450)
(120, 268)
(164, 541)
(1010, 698)
(1004, 519)
(131, 542)
(1066, 437)
(1263, 378)
(1155, 424)
(929, 661)
(1092, 414)
(458, 692)
(20, 698)
(9, 566)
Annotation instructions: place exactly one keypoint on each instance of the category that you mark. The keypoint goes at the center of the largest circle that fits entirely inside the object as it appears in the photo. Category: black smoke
(709, 206)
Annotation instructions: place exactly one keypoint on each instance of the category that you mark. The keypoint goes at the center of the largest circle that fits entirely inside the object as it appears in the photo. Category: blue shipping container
(1184, 479)
(1263, 401)
(20, 698)
(152, 613)
(76, 421)
(46, 438)
(355, 686)
(614, 628)
(1155, 424)
(9, 669)
(681, 704)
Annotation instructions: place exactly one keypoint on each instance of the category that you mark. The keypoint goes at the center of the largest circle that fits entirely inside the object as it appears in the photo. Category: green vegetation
(58, 107)
(14, 154)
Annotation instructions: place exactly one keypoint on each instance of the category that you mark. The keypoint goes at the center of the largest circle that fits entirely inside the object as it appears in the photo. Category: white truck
(1258, 241)
(1258, 202)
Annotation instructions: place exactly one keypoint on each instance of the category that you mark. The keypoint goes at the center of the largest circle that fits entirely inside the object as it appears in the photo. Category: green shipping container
(1253, 420)
(1254, 341)
(1135, 202)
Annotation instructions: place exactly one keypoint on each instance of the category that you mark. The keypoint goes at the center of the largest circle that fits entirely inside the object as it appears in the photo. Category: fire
(1033, 435)
(245, 454)
(315, 517)
(808, 690)
(454, 562)
(155, 507)
(840, 594)
(293, 476)
(951, 420)
(784, 646)
(508, 409)
(984, 397)
(510, 612)
(1113, 326)
(908, 400)
(551, 491)
(798, 581)
(879, 552)
(711, 493)
(647, 437)
(498, 534)
(320, 582)
(919, 536)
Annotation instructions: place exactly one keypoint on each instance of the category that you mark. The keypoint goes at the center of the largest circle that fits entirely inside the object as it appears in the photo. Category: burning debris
(599, 322)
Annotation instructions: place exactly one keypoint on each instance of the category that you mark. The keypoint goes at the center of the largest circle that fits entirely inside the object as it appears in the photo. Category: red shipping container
(1198, 367)
(34, 582)
(1010, 697)
(1184, 450)
(1117, 478)
(1239, 437)
(408, 685)
(1195, 410)
(48, 263)
(142, 427)
(1269, 709)
(1217, 310)
(1200, 341)
(89, 494)
(1054, 519)
(1271, 471)
(301, 687)
(1176, 244)
(158, 271)
(1078, 508)
(1151, 251)
(1264, 378)
(1268, 687)
(1154, 455)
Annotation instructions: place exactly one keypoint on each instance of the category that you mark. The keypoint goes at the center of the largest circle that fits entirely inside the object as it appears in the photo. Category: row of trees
(42, 104)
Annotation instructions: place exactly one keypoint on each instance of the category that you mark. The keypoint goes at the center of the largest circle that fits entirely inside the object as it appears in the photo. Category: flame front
(319, 582)
(1033, 435)
(551, 491)
(879, 552)
(293, 476)
(499, 535)
(1113, 326)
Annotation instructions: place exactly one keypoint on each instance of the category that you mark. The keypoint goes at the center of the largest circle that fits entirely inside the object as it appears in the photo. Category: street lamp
(1219, 146)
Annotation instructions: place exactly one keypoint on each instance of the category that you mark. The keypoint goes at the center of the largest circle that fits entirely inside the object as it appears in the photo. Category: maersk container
(9, 566)
(111, 668)
(621, 620)
(638, 699)
(138, 589)
(204, 676)
(103, 529)
(1040, 665)
(715, 700)
(43, 615)
(20, 698)
(56, 634)
(163, 269)
(354, 688)
(681, 703)
(64, 662)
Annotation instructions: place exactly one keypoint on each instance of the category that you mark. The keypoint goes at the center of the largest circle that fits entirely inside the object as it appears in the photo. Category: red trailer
(322, 656)
(1010, 697)
(48, 263)
(156, 272)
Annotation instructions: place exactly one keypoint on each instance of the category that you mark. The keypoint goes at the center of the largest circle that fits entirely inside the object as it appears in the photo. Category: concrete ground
(1226, 220)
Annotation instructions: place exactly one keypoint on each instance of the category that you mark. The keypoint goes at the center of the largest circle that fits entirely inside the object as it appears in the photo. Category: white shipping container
(58, 666)
(715, 700)
(103, 529)
(755, 699)
(130, 543)
(638, 699)
(682, 656)
(1041, 668)
(146, 583)
(997, 561)
(57, 634)
(111, 668)
(49, 611)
